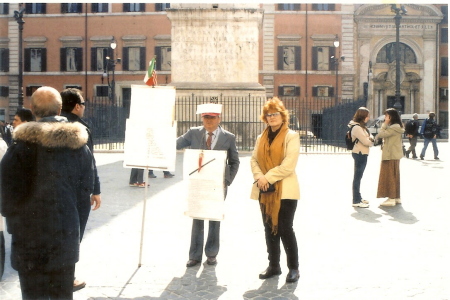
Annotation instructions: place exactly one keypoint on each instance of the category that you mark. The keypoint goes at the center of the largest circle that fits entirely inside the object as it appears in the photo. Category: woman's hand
(262, 183)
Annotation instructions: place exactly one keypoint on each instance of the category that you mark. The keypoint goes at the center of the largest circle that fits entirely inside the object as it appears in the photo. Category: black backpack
(348, 138)
(430, 129)
(409, 127)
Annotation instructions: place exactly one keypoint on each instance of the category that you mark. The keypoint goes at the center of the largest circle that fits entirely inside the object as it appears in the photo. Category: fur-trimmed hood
(52, 134)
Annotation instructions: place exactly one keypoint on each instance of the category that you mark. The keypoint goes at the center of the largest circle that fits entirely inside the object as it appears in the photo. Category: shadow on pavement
(398, 214)
(366, 215)
(269, 289)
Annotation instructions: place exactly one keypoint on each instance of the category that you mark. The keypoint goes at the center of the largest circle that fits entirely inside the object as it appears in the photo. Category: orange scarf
(269, 157)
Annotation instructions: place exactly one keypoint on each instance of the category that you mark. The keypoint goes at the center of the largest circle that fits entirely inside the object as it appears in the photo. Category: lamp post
(336, 59)
(398, 16)
(18, 15)
(111, 65)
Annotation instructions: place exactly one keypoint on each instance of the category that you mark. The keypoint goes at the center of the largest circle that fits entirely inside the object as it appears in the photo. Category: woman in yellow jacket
(273, 162)
(392, 151)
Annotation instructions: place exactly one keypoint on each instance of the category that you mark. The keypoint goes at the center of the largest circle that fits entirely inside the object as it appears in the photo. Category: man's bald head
(45, 102)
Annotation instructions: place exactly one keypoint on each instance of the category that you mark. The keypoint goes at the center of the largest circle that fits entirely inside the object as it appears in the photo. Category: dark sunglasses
(82, 103)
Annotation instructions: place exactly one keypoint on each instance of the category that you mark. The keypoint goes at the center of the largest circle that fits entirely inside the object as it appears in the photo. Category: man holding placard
(210, 136)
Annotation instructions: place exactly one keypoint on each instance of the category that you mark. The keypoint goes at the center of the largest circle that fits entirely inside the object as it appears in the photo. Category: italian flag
(150, 76)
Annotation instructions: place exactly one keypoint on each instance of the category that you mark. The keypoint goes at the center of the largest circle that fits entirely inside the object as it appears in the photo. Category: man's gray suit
(195, 138)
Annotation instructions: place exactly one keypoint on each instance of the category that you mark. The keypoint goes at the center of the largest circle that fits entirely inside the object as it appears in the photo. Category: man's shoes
(389, 202)
(414, 157)
(168, 175)
(78, 285)
(293, 275)
(270, 272)
(361, 204)
(151, 175)
(421, 157)
(211, 261)
(407, 153)
(436, 158)
(191, 263)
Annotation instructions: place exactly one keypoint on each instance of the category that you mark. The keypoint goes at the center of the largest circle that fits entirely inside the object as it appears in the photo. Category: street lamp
(111, 65)
(398, 16)
(336, 59)
(18, 15)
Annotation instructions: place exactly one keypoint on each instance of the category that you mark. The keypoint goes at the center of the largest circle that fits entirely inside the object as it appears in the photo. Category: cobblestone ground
(345, 253)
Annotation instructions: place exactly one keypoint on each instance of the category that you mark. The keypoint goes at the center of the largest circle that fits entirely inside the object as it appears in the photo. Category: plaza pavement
(397, 253)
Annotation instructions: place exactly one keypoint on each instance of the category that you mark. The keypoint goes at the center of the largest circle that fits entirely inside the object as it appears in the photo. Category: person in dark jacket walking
(412, 132)
(73, 107)
(47, 178)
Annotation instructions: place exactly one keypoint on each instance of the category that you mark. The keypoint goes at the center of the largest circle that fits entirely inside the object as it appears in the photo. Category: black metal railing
(320, 124)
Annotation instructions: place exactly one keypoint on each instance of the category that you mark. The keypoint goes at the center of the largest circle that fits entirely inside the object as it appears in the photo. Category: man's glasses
(82, 103)
(273, 115)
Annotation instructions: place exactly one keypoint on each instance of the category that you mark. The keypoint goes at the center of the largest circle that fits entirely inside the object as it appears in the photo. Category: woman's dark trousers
(285, 233)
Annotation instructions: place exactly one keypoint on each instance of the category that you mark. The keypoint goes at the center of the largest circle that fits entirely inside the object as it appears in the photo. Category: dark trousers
(136, 176)
(39, 284)
(412, 146)
(197, 239)
(360, 166)
(285, 233)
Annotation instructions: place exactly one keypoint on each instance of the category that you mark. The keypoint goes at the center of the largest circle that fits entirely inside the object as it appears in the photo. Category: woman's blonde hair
(276, 105)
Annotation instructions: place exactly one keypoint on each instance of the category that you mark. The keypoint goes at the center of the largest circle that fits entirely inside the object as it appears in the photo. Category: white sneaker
(388, 202)
(365, 201)
(361, 204)
(398, 201)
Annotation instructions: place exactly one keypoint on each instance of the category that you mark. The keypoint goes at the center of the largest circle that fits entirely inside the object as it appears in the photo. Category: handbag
(270, 189)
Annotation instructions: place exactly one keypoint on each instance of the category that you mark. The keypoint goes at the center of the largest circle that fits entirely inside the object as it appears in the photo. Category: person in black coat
(47, 178)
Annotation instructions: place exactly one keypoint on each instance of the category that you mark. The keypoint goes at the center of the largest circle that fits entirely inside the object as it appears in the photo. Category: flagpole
(143, 218)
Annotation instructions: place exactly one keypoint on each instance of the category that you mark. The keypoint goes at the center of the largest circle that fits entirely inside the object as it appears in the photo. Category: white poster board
(150, 136)
(205, 185)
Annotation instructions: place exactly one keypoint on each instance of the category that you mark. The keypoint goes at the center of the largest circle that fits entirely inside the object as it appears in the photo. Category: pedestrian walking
(210, 136)
(429, 130)
(73, 107)
(47, 181)
(137, 178)
(362, 142)
(273, 164)
(412, 132)
(392, 151)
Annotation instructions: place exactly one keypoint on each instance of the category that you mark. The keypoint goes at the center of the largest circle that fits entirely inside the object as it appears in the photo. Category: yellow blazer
(285, 171)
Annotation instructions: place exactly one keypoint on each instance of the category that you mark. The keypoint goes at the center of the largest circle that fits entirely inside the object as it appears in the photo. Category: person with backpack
(429, 131)
(362, 140)
(412, 132)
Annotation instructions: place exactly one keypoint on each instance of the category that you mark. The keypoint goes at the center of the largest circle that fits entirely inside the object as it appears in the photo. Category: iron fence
(320, 123)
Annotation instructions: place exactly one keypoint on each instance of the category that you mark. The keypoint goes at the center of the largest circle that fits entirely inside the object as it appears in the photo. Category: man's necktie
(209, 140)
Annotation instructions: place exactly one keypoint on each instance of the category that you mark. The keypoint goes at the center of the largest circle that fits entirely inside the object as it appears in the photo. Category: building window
(99, 7)
(35, 8)
(134, 59)
(289, 58)
(71, 59)
(289, 6)
(323, 7)
(444, 66)
(4, 60)
(134, 7)
(161, 6)
(31, 89)
(4, 8)
(444, 10)
(289, 90)
(71, 8)
(2, 114)
(444, 35)
(443, 94)
(163, 58)
(98, 58)
(35, 60)
(322, 58)
(323, 91)
(387, 54)
(101, 91)
(4, 91)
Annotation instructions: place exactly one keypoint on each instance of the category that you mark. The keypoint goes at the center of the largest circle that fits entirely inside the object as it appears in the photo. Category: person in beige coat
(273, 164)
(392, 151)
